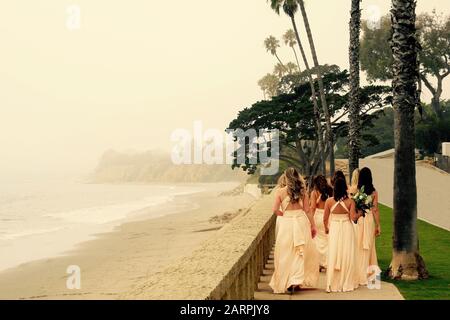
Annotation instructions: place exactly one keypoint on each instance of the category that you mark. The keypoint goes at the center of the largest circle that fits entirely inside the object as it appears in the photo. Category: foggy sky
(137, 70)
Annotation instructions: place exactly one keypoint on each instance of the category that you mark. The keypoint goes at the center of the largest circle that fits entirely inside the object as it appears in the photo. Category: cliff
(150, 166)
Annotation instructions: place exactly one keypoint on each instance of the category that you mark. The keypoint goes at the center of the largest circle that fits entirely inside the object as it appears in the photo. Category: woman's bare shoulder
(281, 192)
(329, 201)
(349, 201)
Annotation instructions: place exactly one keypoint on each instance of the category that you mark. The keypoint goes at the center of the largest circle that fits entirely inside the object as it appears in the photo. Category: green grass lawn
(435, 250)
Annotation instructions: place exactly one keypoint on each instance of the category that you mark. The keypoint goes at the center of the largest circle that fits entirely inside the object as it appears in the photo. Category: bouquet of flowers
(363, 201)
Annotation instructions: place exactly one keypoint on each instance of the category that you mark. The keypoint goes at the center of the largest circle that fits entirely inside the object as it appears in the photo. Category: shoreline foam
(114, 262)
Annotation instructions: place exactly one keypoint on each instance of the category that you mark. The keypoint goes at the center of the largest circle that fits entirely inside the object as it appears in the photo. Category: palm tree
(289, 39)
(326, 112)
(406, 262)
(354, 109)
(280, 70)
(291, 68)
(290, 8)
(269, 85)
(272, 44)
(263, 85)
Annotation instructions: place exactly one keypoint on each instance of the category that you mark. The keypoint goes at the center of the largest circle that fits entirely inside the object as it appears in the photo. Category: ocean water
(39, 220)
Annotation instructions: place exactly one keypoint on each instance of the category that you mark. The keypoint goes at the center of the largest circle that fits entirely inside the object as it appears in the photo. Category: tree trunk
(279, 60)
(354, 107)
(296, 59)
(435, 92)
(406, 263)
(436, 105)
(326, 112)
(313, 97)
(436, 101)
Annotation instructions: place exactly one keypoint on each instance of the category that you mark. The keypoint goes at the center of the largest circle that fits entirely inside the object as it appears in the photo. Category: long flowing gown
(366, 250)
(296, 258)
(341, 268)
(321, 239)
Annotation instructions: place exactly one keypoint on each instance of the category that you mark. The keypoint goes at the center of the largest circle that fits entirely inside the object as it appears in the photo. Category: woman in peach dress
(296, 259)
(367, 229)
(322, 191)
(354, 187)
(281, 183)
(339, 214)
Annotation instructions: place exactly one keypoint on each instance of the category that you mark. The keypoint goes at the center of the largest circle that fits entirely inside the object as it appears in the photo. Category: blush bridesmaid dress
(321, 239)
(341, 270)
(296, 258)
(366, 254)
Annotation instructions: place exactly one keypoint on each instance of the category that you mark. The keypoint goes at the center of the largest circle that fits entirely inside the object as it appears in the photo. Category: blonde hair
(295, 185)
(355, 177)
(282, 181)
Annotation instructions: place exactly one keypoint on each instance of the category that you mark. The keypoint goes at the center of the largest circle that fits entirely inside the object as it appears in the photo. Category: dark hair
(340, 189)
(320, 184)
(365, 180)
(338, 174)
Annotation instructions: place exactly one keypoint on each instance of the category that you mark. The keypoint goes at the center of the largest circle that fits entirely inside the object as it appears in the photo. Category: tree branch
(428, 84)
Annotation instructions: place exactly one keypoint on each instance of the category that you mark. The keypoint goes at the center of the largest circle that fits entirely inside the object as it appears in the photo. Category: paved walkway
(433, 203)
(433, 190)
(387, 292)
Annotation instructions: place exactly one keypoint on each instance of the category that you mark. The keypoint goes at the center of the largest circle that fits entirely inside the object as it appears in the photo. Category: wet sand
(117, 261)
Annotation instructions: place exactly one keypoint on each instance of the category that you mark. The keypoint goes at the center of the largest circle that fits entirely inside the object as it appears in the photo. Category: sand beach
(115, 262)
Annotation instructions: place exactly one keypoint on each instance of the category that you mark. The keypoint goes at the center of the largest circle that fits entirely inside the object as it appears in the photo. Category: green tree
(292, 68)
(289, 82)
(375, 52)
(292, 114)
(433, 33)
(290, 8)
(406, 264)
(431, 130)
(376, 137)
(289, 39)
(434, 37)
(272, 44)
(269, 85)
(280, 70)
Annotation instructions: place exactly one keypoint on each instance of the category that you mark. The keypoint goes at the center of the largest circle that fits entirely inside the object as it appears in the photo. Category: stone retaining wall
(226, 266)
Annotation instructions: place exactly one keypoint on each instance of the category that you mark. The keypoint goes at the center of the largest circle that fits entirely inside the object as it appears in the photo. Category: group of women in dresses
(320, 230)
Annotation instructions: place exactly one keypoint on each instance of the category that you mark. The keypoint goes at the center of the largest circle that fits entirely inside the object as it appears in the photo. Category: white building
(446, 149)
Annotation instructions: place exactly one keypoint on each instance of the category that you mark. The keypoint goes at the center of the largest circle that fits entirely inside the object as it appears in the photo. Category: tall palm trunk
(314, 98)
(296, 59)
(354, 108)
(326, 112)
(406, 262)
(279, 60)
